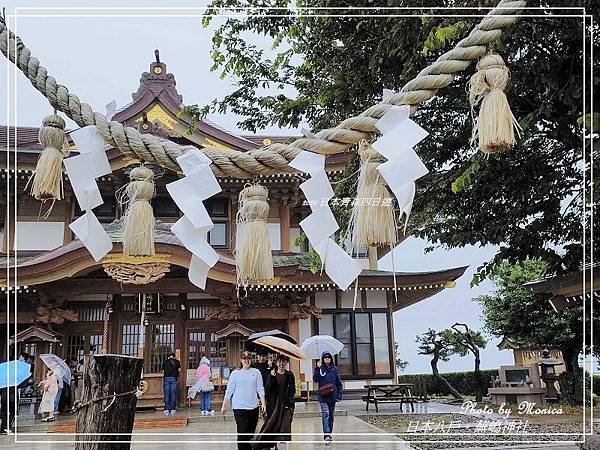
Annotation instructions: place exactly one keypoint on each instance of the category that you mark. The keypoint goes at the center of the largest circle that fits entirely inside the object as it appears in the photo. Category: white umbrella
(314, 346)
(57, 365)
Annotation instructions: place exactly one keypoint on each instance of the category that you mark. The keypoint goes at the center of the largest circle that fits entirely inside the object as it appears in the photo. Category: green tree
(514, 311)
(434, 344)
(320, 70)
(398, 361)
(462, 341)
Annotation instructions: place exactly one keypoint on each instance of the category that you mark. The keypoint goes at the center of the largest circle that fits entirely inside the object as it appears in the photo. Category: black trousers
(246, 420)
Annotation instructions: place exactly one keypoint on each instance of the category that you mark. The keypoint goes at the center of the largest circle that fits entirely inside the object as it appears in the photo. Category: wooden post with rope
(110, 384)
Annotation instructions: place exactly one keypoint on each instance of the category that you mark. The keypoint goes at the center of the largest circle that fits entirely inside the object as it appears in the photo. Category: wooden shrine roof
(70, 267)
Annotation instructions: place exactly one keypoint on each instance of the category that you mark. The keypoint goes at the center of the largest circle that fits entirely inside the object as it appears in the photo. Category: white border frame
(234, 12)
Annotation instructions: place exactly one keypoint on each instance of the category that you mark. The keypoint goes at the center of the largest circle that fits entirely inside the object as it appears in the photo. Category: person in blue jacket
(329, 392)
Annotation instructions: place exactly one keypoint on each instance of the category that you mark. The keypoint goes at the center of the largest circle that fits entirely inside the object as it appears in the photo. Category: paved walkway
(349, 432)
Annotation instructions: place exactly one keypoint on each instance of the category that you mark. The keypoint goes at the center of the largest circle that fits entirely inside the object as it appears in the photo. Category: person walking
(59, 393)
(203, 378)
(279, 392)
(262, 363)
(49, 393)
(170, 369)
(329, 393)
(244, 389)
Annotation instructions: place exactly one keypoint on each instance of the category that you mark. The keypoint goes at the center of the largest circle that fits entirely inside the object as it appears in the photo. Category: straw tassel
(47, 178)
(253, 249)
(138, 236)
(373, 218)
(495, 127)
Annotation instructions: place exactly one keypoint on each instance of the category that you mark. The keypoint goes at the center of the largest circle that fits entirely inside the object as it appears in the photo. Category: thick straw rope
(273, 158)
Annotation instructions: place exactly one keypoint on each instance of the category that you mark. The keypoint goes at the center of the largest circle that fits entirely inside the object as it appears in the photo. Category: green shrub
(463, 382)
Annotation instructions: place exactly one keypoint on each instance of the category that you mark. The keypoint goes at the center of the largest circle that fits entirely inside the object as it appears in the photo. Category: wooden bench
(390, 393)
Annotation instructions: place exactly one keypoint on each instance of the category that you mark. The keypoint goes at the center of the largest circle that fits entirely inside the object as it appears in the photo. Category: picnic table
(389, 393)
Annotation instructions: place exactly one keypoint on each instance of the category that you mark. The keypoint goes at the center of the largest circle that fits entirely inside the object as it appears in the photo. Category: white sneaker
(202, 413)
(166, 412)
(211, 412)
(172, 412)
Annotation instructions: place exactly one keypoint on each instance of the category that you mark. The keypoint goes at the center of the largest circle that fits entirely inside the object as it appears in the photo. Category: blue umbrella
(13, 373)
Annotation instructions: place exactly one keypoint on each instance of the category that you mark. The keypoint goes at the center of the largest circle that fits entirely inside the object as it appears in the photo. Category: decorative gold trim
(136, 273)
(214, 144)
(158, 114)
(120, 258)
(2, 282)
(450, 284)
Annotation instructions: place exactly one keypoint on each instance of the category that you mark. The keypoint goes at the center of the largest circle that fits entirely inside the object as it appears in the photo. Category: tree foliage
(514, 311)
(321, 70)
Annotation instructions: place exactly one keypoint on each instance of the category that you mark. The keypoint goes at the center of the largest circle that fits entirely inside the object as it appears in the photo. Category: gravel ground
(453, 428)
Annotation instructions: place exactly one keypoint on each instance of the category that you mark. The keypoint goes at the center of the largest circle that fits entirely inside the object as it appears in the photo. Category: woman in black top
(279, 391)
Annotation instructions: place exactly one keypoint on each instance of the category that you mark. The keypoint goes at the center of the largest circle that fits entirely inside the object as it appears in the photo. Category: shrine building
(65, 302)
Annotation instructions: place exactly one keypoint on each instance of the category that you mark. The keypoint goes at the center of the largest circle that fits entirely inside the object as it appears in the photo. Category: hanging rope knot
(254, 261)
(48, 178)
(373, 221)
(138, 236)
(494, 128)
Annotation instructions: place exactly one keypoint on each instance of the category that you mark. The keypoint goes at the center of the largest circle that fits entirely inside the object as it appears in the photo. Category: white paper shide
(189, 192)
(321, 224)
(83, 170)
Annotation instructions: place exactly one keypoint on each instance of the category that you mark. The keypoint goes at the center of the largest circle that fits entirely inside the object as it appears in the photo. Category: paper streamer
(321, 224)
(83, 170)
(198, 184)
(403, 166)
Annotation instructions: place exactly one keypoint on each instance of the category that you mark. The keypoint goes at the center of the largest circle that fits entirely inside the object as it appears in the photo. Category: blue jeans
(57, 399)
(205, 401)
(327, 412)
(170, 390)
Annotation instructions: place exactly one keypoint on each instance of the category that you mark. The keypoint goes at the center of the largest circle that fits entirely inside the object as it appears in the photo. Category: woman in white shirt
(244, 388)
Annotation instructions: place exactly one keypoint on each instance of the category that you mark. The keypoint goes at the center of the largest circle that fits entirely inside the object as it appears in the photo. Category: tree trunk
(436, 374)
(103, 376)
(571, 358)
(478, 380)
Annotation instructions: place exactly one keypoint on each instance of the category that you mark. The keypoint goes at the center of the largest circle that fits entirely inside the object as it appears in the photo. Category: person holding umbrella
(279, 391)
(261, 363)
(329, 393)
(12, 373)
(49, 393)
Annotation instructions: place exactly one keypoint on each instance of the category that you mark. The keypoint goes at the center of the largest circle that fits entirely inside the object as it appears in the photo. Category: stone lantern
(547, 366)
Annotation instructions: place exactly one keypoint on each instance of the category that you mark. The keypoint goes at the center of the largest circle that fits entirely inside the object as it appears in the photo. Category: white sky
(101, 59)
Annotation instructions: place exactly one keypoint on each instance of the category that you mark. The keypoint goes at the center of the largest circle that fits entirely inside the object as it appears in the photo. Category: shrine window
(218, 236)
(91, 314)
(217, 207)
(79, 345)
(218, 352)
(197, 312)
(163, 342)
(367, 351)
(130, 339)
(196, 348)
(165, 207)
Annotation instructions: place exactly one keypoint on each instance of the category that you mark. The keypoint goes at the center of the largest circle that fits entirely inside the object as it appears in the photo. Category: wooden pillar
(294, 331)
(390, 301)
(69, 213)
(180, 350)
(9, 225)
(373, 258)
(103, 376)
(284, 224)
(115, 326)
(232, 225)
